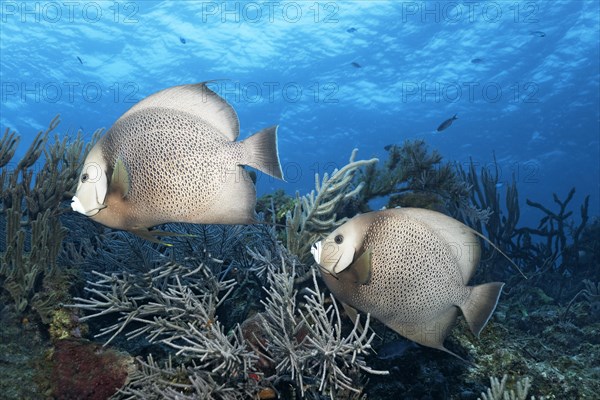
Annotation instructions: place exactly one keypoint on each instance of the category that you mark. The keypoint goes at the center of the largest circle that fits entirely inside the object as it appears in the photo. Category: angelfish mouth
(78, 207)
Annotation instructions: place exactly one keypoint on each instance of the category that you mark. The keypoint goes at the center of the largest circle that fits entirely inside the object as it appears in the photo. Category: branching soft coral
(315, 214)
(413, 177)
(31, 205)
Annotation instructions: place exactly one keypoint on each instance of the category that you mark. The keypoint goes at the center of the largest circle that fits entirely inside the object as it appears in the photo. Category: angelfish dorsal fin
(361, 268)
(197, 100)
(119, 181)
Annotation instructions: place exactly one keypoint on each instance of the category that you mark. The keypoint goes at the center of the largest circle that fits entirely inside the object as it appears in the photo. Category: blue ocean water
(522, 77)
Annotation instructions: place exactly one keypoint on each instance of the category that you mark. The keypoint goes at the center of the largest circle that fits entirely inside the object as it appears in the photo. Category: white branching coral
(175, 304)
(337, 352)
(292, 338)
(306, 341)
(314, 215)
(152, 381)
(498, 391)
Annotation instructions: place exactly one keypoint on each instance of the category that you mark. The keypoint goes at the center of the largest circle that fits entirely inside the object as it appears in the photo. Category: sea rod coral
(31, 207)
(315, 214)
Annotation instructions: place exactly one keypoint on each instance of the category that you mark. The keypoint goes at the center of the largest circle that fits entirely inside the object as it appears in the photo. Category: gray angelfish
(173, 157)
(410, 269)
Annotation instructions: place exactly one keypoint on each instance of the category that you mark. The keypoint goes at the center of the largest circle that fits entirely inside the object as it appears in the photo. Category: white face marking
(345, 259)
(315, 250)
(336, 252)
(93, 186)
(77, 206)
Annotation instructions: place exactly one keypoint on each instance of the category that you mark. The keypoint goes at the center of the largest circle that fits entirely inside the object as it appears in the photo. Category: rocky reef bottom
(559, 353)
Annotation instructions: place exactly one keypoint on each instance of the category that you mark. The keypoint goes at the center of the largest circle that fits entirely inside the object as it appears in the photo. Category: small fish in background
(351, 30)
(182, 40)
(79, 58)
(355, 64)
(477, 61)
(402, 267)
(446, 124)
(174, 157)
(538, 33)
(499, 185)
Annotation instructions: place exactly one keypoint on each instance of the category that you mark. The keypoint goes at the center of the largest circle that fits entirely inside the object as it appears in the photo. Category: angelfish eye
(85, 177)
(339, 239)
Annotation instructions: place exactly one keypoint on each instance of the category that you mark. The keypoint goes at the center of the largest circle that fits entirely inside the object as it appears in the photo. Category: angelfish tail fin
(480, 305)
(261, 152)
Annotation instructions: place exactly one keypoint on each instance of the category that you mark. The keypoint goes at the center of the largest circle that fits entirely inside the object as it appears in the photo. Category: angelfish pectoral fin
(361, 268)
(119, 181)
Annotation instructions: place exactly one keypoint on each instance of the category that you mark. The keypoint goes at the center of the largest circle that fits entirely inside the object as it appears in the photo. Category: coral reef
(552, 251)
(558, 256)
(228, 312)
(29, 271)
(498, 391)
(414, 177)
(560, 252)
(310, 348)
(86, 371)
(315, 214)
(483, 195)
(22, 344)
(275, 206)
(591, 295)
(176, 304)
(66, 324)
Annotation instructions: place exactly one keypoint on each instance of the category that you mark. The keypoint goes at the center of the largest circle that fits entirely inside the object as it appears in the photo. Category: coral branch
(314, 214)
